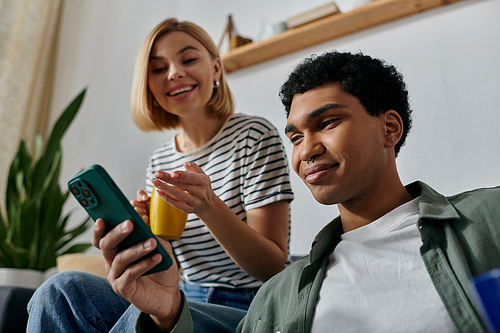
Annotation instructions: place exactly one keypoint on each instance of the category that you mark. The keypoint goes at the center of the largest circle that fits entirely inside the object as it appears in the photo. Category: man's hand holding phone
(156, 294)
(139, 268)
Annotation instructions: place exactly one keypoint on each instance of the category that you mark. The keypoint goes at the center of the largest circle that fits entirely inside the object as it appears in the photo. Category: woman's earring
(216, 84)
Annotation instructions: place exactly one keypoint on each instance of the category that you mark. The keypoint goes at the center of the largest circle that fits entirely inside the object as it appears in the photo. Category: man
(397, 259)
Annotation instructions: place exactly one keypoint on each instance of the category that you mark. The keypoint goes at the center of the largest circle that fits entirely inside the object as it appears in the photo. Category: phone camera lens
(74, 190)
(86, 193)
(84, 202)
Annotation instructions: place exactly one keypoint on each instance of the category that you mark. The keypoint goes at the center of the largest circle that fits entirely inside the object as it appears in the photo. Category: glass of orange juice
(165, 220)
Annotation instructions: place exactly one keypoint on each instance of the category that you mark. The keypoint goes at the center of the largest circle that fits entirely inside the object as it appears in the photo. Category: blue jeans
(235, 298)
(75, 301)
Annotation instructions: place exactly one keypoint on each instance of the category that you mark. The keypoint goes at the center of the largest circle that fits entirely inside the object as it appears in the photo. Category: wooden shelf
(328, 28)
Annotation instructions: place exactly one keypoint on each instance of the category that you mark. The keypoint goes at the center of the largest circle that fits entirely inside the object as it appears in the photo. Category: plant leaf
(3, 227)
(53, 144)
(25, 168)
(72, 234)
(17, 257)
(62, 125)
(13, 192)
(38, 147)
(51, 228)
(25, 232)
(33, 231)
(77, 248)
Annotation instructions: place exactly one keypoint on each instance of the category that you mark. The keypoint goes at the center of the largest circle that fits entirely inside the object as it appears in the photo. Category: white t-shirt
(376, 281)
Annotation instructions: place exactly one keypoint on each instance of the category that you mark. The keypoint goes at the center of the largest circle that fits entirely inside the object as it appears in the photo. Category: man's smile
(318, 172)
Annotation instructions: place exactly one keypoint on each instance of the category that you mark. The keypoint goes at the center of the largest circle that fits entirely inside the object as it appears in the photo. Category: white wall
(449, 56)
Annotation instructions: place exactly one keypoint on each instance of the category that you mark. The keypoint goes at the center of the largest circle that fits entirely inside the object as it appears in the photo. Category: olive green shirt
(461, 239)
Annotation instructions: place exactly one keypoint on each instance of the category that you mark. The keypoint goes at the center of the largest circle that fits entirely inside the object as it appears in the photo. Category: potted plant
(33, 231)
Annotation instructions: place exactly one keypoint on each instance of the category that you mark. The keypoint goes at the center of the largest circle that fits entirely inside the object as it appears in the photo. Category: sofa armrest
(13, 311)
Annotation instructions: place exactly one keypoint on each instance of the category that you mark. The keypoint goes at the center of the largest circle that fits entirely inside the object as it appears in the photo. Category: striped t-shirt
(248, 168)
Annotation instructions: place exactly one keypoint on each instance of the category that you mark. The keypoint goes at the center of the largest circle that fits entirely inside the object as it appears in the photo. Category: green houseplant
(33, 232)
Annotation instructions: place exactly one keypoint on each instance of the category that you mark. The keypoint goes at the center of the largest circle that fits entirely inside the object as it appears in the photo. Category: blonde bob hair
(147, 114)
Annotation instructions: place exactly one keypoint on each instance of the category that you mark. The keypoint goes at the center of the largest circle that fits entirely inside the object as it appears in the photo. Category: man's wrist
(166, 324)
(181, 324)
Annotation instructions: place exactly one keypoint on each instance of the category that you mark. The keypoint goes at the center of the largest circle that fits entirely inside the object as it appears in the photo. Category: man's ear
(393, 128)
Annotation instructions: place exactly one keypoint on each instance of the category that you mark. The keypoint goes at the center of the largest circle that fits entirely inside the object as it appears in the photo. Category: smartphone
(99, 195)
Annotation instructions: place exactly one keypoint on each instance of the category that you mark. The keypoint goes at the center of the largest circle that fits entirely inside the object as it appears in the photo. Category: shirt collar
(433, 205)
(326, 240)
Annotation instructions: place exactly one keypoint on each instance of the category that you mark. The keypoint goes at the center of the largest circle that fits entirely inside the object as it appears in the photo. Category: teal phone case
(99, 195)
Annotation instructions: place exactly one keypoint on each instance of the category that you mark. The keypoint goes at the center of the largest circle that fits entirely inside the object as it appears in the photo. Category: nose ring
(311, 160)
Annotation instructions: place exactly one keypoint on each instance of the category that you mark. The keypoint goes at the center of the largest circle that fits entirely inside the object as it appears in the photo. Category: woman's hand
(264, 235)
(156, 294)
(141, 205)
(196, 195)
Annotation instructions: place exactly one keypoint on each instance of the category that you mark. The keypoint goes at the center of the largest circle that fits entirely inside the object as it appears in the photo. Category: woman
(235, 183)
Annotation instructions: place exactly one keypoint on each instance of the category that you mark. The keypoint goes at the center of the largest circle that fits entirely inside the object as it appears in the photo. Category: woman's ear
(217, 69)
(393, 128)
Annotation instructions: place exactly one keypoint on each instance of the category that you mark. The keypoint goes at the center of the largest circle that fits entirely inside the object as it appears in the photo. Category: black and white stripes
(248, 168)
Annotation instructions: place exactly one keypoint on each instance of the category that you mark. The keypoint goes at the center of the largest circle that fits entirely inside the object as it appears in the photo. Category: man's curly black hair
(378, 86)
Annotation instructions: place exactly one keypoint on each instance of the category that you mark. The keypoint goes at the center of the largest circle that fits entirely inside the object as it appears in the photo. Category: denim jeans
(235, 298)
(75, 301)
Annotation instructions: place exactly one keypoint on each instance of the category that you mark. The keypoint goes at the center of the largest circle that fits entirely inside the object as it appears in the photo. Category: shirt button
(278, 331)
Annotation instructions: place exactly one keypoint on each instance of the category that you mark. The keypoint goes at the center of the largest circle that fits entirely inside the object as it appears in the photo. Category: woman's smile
(178, 91)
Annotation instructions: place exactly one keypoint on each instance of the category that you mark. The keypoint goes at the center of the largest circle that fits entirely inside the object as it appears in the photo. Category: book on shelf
(312, 15)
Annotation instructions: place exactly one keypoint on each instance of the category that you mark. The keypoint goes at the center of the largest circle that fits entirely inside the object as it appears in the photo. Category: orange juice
(165, 220)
